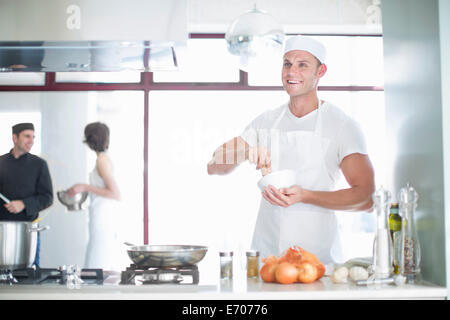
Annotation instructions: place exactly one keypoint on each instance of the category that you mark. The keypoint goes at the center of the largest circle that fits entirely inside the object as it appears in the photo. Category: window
(185, 125)
(220, 211)
(203, 60)
(99, 77)
(22, 78)
(351, 61)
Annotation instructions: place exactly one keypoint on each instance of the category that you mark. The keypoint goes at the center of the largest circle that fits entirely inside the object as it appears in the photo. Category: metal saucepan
(165, 256)
(18, 241)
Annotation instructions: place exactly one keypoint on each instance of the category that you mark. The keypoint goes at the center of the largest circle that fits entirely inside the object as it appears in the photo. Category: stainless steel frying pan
(168, 256)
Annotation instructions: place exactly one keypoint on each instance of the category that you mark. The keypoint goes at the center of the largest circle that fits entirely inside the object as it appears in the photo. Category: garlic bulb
(358, 273)
(399, 280)
(340, 275)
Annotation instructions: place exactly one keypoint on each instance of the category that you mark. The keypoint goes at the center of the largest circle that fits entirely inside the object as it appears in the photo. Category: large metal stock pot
(18, 240)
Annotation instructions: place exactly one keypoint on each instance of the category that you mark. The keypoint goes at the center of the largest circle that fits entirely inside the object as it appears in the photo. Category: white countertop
(235, 289)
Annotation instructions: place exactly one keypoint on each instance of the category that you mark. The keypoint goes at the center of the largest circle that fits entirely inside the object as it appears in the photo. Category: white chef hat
(309, 44)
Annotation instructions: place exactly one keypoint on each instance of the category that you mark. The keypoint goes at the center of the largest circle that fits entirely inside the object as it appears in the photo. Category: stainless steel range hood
(91, 35)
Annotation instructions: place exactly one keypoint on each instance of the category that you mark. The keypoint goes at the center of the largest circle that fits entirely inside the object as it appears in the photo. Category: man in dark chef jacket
(24, 180)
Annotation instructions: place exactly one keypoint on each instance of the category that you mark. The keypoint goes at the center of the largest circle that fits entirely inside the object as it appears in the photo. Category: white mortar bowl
(278, 179)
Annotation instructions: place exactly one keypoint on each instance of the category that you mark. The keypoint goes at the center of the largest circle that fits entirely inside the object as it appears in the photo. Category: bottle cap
(252, 253)
(226, 253)
(394, 208)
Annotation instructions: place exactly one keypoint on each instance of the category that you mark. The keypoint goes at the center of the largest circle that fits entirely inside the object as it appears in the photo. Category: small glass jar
(226, 265)
(252, 264)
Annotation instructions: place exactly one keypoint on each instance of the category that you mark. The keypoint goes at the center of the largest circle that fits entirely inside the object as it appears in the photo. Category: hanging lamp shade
(254, 33)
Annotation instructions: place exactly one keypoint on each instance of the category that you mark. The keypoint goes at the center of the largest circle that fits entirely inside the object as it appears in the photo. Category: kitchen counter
(236, 289)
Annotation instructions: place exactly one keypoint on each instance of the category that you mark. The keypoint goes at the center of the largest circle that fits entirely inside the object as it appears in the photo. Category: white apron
(103, 245)
(311, 227)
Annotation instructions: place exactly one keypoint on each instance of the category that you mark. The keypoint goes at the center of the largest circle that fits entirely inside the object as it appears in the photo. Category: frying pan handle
(38, 229)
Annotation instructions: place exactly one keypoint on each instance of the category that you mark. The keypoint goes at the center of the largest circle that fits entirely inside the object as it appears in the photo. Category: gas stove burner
(6, 277)
(161, 276)
(177, 275)
(49, 276)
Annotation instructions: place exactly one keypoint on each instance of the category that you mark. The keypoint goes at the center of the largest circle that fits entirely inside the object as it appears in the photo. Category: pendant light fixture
(254, 36)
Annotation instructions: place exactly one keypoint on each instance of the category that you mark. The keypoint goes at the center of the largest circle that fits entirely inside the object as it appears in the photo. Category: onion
(307, 272)
(267, 272)
(286, 273)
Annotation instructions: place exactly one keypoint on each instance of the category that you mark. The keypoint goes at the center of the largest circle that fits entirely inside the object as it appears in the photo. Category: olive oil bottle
(395, 227)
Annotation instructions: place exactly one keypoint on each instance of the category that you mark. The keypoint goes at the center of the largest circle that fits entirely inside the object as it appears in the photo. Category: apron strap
(318, 126)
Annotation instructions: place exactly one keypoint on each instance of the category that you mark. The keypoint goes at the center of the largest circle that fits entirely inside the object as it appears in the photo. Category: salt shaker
(252, 264)
(226, 264)
(409, 249)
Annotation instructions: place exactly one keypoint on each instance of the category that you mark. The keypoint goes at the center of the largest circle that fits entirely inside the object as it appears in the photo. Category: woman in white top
(103, 210)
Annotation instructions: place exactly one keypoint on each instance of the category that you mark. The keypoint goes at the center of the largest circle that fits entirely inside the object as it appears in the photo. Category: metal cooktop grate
(51, 275)
(177, 275)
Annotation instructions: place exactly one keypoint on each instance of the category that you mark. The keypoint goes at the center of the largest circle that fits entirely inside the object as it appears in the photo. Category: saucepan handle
(38, 229)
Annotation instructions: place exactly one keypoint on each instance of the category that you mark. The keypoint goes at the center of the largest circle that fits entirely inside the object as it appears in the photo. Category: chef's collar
(23, 156)
(306, 116)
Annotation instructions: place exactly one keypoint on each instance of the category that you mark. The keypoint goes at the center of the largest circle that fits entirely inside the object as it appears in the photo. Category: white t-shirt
(344, 133)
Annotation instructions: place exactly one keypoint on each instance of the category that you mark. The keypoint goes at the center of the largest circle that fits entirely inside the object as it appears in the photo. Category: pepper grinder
(382, 247)
(409, 249)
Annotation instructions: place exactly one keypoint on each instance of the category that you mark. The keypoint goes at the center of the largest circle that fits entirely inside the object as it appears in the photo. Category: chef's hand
(15, 206)
(261, 157)
(76, 188)
(283, 197)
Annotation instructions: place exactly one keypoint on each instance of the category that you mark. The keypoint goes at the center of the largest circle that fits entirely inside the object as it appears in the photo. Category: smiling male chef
(317, 140)
(24, 180)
